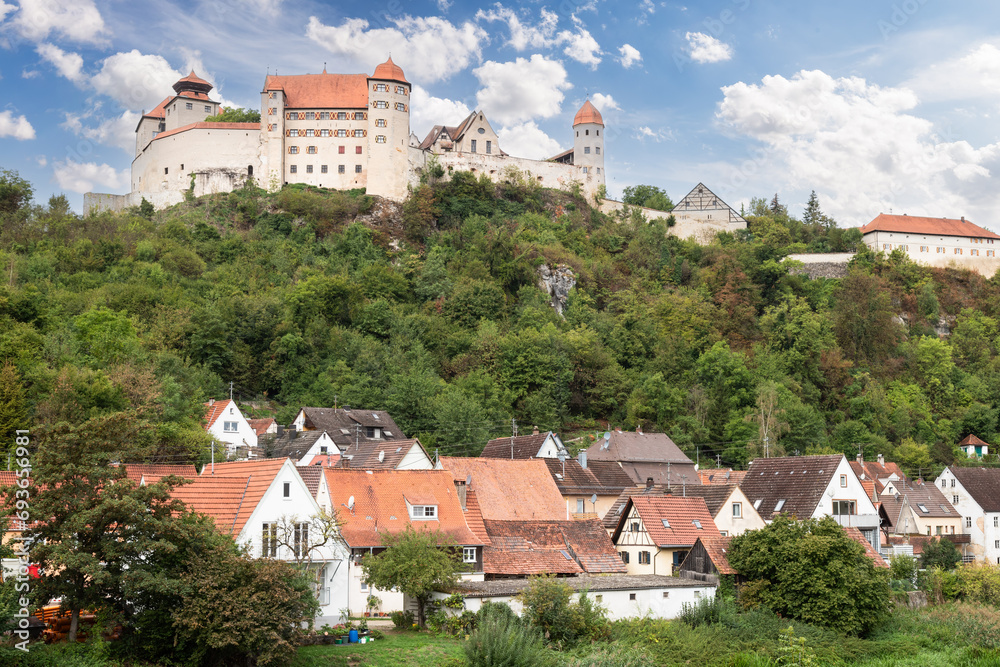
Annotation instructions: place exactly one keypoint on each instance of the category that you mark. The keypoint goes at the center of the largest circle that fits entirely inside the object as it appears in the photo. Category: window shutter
(288, 133)
(365, 133)
(288, 116)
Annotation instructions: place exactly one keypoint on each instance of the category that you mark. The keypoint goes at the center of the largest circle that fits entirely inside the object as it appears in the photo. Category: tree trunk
(74, 625)
(420, 613)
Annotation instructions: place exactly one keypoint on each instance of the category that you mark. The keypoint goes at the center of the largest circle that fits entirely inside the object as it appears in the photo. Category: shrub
(615, 655)
(903, 569)
(708, 611)
(502, 640)
(403, 620)
(547, 606)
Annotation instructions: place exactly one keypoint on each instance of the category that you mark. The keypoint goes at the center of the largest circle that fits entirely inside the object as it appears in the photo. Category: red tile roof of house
(474, 517)
(389, 71)
(856, 535)
(321, 91)
(588, 113)
(973, 440)
(260, 426)
(207, 126)
(679, 513)
(261, 474)
(380, 504)
(224, 499)
(912, 224)
(716, 548)
(721, 476)
(573, 479)
(160, 110)
(214, 409)
(510, 490)
(325, 460)
(521, 548)
(877, 471)
(152, 472)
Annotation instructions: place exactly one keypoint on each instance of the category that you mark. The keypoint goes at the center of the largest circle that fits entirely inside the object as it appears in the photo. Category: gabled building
(708, 560)
(731, 511)
(473, 135)
(811, 487)
(226, 423)
(917, 508)
(348, 426)
(376, 503)
(974, 447)
(589, 488)
(645, 456)
(532, 446)
(392, 455)
(934, 241)
(655, 533)
(975, 494)
(303, 447)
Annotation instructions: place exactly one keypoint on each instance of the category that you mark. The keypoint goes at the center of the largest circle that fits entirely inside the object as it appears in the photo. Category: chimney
(582, 458)
(963, 218)
(211, 402)
(861, 458)
(649, 482)
(638, 429)
(460, 489)
(292, 433)
(281, 430)
(881, 460)
(535, 431)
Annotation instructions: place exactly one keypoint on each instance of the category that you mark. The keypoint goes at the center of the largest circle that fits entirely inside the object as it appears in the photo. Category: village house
(346, 426)
(974, 447)
(975, 494)
(730, 509)
(939, 242)
(812, 487)
(532, 446)
(226, 423)
(589, 488)
(700, 214)
(655, 533)
(646, 455)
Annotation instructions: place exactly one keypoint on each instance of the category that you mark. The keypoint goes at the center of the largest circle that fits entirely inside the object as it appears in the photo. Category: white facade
(737, 515)
(231, 427)
(323, 445)
(844, 493)
(983, 528)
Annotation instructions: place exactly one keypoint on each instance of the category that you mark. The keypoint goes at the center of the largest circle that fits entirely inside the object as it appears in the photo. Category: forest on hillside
(432, 310)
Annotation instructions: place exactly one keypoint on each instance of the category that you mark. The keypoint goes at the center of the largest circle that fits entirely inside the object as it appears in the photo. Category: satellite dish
(350, 503)
(593, 499)
(381, 456)
(468, 480)
(607, 435)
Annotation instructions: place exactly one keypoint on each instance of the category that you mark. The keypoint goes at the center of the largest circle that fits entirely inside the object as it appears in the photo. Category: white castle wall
(222, 154)
(547, 174)
(942, 252)
(690, 224)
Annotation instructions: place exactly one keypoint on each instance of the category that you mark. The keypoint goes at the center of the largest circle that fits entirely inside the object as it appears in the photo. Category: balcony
(859, 521)
(582, 516)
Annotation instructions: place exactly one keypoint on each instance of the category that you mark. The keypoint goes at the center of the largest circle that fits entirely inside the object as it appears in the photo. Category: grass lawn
(419, 649)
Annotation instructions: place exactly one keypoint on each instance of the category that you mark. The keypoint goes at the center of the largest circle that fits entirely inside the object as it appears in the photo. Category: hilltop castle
(339, 131)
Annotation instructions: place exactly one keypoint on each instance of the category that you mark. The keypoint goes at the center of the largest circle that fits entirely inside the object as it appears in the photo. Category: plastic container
(352, 637)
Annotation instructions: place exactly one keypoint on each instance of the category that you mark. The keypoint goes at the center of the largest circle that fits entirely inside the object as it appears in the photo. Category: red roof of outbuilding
(322, 91)
(389, 71)
(588, 113)
(973, 440)
(911, 224)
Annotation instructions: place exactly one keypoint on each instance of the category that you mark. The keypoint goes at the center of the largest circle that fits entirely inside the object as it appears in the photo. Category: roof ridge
(239, 507)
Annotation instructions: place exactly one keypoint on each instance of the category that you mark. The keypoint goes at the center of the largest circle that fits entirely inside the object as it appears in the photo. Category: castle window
(578, 133)
(189, 105)
(182, 166)
(208, 109)
(586, 133)
(597, 149)
(489, 147)
(357, 150)
(310, 133)
(293, 169)
(400, 106)
(341, 149)
(288, 116)
(940, 250)
(302, 115)
(380, 139)
(271, 95)
(598, 132)
(293, 150)
(324, 115)
(323, 169)
(958, 251)
(472, 146)
(340, 169)
(400, 90)
(598, 170)
(380, 122)
(341, 115)
(311, 150)
(270, 127)
(341, 133)
(357, 169)
(991, 253)
(324, 133)
(585, 170)
(310, 115)
(166, 170)
(293, 133)
(586, 150)
(309, 169)
(974, 252)
(381, 104)
(381, 88)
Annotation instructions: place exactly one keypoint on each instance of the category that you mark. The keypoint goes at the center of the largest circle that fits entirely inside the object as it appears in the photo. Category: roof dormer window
(423, 512)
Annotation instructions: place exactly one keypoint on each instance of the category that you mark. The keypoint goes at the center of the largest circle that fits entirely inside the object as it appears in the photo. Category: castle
(339, 131)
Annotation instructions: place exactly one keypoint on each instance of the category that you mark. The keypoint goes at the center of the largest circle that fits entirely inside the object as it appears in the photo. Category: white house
(974, 447)
(935, 241)
(975, 493)
(225, 422)
(532, 446)
(655, 533)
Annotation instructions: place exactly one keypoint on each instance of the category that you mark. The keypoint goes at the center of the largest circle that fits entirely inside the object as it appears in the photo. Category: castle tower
(588, 145)
(388, 131)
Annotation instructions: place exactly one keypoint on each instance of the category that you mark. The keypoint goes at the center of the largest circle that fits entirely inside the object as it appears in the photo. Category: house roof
(715, 495)
(260, 474)
(347, 426)
(152, 472)
(588, 113)
(293, 444)
(912, 224)
(510, 490)
(392, 452)
(721, 476)
(926, 500)
(974, 441)
(380, 504)
(669, 520)
(312, 476)
(523, 446)
(856, 535)
(226, 500)
(558, 156)
(614, 513)
(389, 71)
(983, 484)
(573, 479)
(701, 198)
(192, 82)
(260, 426)
(552, 547)
(610, 582)
(638, 447)
(474, 517)
(214, 410)
(321, 91)
(877, 471)
(716, 548)
(799, 481)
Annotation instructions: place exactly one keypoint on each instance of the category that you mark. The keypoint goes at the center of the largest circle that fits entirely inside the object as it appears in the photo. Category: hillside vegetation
(432, 311)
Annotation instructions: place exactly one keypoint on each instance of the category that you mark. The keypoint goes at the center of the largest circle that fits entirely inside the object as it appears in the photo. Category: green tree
(647, 196)
(414, 562)
(235, 115)
(13, 409)
(863, 319)
(813, 572)
(939, 552)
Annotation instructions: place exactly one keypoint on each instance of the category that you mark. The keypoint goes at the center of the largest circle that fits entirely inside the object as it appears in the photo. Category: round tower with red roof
(388, 130)
(588, 144)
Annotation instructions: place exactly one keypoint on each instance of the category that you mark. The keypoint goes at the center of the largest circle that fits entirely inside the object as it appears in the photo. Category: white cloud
(69, 65)
(973, 75)
(6, 9)
(431, 48)
(444, 5)
(118, 131)
(84, 177)
(707, 49)
(644, 132)
(578, 44)
(646, 9)
(30, 74)
(517, 91)
(605, 103)
(76, 20)
(41, 160)
(528, 140)
(859, 143)
(17, 127)
(428, 111)
(630, 55)
(135, 80)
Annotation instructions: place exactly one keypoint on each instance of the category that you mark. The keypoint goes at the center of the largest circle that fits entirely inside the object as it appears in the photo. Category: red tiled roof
(510, 490)
(716, 548)
(321, 91)
(152, 472)
(261, 474)
(224, 499)
(474, 517)
(325, 460)
(160, 110)
(522, 446)
(679, 513)
(721, 476)
(207, 126)
(573, 478)
(389, 71)
(856, 535)
(912, 224)
(260, 426)
(213, 410)
(380, 504)
(555, 547)
(973, 440)
(194, 78)
(588, 113)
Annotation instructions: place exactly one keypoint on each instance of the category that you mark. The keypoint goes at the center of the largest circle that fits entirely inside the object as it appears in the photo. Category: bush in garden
(504, 640)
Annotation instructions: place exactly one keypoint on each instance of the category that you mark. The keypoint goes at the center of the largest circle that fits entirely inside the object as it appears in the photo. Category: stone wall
(822, 265)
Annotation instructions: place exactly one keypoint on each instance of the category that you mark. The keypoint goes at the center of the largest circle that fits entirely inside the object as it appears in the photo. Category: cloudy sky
(875, 105)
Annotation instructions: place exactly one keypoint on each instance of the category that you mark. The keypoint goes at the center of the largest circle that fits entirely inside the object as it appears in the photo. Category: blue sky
(877, 106)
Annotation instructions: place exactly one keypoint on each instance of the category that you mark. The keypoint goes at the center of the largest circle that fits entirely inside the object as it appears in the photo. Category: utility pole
(766, 450)
(718, 460)
(230, 390)
(668, 474)
(513, 432)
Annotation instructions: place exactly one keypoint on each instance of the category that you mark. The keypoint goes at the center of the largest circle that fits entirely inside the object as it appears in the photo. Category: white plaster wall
(178, 115)
(317, 449)
(244, 434)
(983, 263)
(198, 150)
(547, 174)
(690, 224)
(730, 525)
(985, 529)
(415, 459)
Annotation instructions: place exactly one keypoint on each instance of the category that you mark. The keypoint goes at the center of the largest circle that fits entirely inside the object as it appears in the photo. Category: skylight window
(756, 503)
(945, 509)
(923, 508)
(697, 523)
(781, 503)
(666, 524)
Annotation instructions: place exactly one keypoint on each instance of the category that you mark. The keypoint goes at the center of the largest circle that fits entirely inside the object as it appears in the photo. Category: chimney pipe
(460, 488)
(649, 482)
(534, 431)
(881, 460)
(211, 402)
(582, 458)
